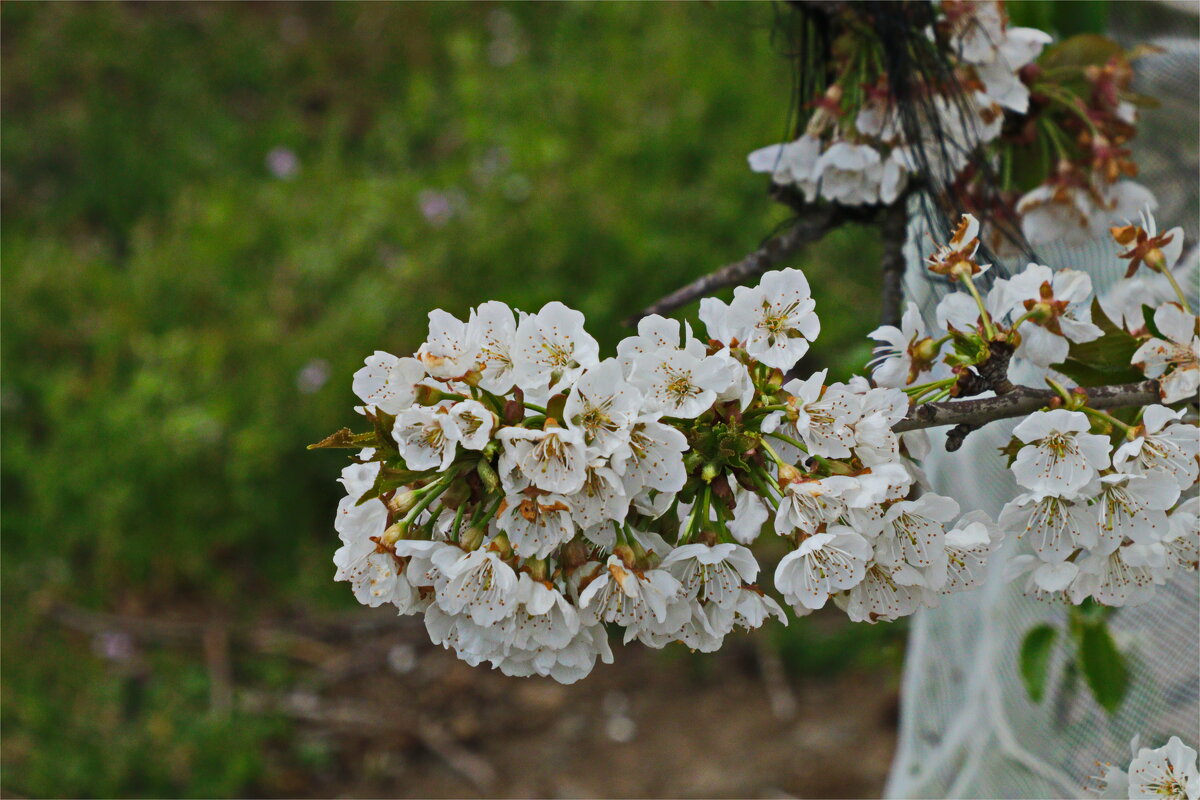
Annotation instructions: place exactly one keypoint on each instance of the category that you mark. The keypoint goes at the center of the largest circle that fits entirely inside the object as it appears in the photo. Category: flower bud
(472, 537)
(403, 501)
(428, 395)
(926, 350)
(514, 411)
(1155, 260)
(537, 568)
(395, 533)
(501, 545)
(626, 554)
(789, 474)
(709, 472)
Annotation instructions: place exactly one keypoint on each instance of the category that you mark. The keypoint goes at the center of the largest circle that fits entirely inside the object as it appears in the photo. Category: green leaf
(1080, 51)
(1035, 660)
(1103, 666)
(1105, 360)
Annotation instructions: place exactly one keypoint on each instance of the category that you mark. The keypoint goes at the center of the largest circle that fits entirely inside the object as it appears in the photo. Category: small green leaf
(1103, 666)
(1105, 360)
(1035, 660)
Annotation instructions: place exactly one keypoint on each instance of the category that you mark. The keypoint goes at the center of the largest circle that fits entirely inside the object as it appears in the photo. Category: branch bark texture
(1020, 401)
(808, 228)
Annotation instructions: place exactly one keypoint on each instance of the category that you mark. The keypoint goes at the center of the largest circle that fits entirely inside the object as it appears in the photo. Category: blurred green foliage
(179, 320)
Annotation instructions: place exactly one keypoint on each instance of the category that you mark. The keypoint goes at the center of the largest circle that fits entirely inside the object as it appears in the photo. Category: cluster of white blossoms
(1166, 773)
(523, 493)
(854, 151)
(1108, 509)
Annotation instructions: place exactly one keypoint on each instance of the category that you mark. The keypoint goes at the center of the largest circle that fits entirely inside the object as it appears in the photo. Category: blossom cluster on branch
(521, 492)
(1039, 140)
(1101, 508)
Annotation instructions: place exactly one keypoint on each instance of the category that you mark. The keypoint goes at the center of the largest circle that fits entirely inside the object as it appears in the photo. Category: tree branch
(808, 228)
(892, 231)
(1020, 401)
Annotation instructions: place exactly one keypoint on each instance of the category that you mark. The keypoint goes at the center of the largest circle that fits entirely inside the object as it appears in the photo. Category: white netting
(968, 728)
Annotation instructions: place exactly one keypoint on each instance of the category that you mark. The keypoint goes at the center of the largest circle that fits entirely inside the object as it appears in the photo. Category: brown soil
(406, 719)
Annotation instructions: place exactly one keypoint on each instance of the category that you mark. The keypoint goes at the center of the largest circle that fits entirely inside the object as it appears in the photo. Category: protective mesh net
(967, 727)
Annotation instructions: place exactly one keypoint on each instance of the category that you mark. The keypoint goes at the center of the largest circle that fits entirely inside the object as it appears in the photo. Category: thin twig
(808, 228)
(1020, 401)
(892, 231)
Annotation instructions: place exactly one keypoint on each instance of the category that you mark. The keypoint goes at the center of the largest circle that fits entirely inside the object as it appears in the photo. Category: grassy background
(179, 321)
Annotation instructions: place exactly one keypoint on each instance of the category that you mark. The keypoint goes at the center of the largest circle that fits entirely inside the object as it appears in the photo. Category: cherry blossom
(1164, 445)
(387, 382)
(822, 565)
(550, 349)
(1175, 360)
(1056, 306)
(1060, 457)
(427, 438)
(451, 349)
(775, 320)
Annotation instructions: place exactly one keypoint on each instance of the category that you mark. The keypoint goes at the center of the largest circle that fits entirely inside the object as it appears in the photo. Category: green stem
(988, 328)
(1178, 290)
(1109, 418)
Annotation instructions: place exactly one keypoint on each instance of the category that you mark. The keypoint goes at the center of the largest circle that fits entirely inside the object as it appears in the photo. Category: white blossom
(880, 597)
(470, 424)
(602, 497)
(652, 457)
(374, 574)
(387, 382)
(850, 173)
(775, 321)
(1059, 303)
(1045, 580)
(426, 438)
(1133, 507)
(808, 504)
(536, 524)
(1059, 456)
(657, 334)
(630, 598)
(913, 540)
(602, 406)
(481, 586)
(678, 383)
(750, 513)
(552, 459)
(451, 350)
(968, 547)
(1166, 773)
(825, 563)
(1183, 536)
(754, 608)
(494, 329)
(823, 416)
(550, 350)
(1056, 526)
(893, 363)
(1125, 577)
(1165, 445)
(1175, 360)
(791, 164)
(712, 574)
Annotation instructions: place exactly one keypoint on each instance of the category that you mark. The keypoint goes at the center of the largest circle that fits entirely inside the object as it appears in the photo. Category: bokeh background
(211, 214)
